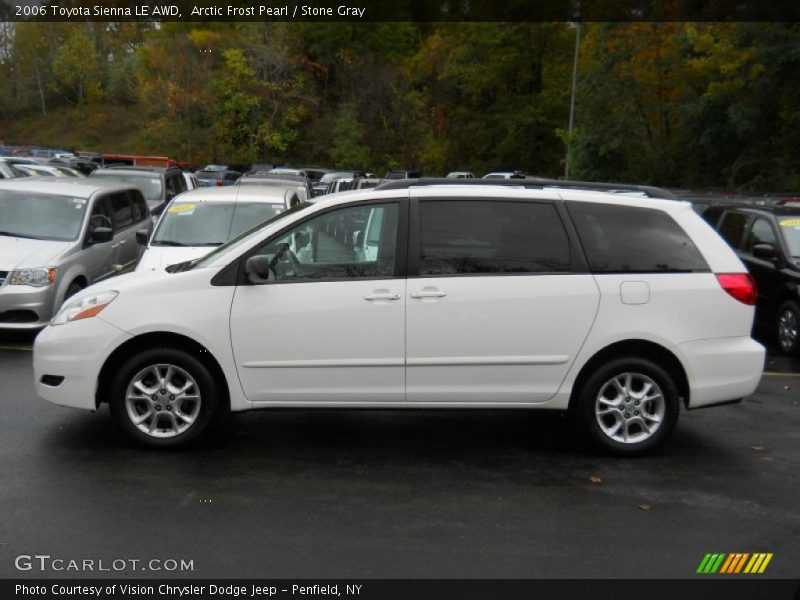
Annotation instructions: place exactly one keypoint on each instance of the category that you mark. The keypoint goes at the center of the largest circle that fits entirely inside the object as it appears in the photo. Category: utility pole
(577, 26)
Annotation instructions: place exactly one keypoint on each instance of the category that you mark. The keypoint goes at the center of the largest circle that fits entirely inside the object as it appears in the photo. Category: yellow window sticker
(789, 222)
(182, 208)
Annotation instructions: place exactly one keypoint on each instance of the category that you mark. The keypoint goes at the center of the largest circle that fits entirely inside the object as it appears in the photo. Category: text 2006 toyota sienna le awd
(620, 309)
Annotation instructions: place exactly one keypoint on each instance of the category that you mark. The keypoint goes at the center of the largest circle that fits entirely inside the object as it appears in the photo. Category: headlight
(84, 308)
(35, 277)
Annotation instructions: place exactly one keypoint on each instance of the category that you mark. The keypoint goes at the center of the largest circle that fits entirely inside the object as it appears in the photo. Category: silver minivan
(58, 236)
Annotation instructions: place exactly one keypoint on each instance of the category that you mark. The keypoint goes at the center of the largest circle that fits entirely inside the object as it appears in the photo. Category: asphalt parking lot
(462, 494)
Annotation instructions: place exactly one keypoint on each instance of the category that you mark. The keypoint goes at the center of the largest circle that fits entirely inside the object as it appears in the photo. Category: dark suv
(767, 239)
(158, 185)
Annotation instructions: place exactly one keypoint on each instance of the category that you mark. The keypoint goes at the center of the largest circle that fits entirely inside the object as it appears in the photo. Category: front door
(328, 325)
(496, 313)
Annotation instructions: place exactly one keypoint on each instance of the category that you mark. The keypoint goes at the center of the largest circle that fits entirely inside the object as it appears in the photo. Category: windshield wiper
(181, 266)
(19, 235)
(167, 243)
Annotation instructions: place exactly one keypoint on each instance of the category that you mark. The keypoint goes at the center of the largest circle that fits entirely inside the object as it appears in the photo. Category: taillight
(218, 182)
(739, 285)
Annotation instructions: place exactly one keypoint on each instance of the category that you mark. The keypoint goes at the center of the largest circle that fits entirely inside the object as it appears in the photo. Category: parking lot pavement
(401, 494)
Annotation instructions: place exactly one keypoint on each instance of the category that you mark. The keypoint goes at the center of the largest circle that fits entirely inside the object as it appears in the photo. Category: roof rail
(535, 183)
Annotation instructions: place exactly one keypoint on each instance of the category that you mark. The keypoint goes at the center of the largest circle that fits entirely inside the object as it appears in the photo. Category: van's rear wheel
(629, 406)
(164, 398)
(787, 327)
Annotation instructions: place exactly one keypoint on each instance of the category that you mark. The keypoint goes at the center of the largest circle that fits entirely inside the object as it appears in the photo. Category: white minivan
(619, 309)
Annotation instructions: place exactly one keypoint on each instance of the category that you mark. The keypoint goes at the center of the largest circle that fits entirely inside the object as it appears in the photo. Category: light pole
(577, 26)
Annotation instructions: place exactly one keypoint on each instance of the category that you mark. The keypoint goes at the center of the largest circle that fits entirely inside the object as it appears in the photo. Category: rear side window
(488, 236)
(732, 228)
(627, 239)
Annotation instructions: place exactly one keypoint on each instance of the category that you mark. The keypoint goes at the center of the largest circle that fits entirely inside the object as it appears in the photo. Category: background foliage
(679, 104)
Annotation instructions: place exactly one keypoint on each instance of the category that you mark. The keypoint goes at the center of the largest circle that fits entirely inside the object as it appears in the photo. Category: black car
(159, 185)
(767, 239)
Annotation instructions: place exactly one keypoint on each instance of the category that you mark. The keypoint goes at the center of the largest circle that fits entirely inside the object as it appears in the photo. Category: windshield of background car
(148, 183)
(41, 216)
(791, 232)
(244, 238)
(331, 175)
(210, 224)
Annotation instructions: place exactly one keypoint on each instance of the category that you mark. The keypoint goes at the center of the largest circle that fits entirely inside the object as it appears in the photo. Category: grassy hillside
(103, 128)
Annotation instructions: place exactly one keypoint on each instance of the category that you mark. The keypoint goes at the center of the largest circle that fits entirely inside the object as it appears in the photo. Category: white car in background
(196, 222)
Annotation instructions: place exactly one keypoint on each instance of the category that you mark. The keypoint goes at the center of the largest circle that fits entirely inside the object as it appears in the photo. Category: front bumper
(26, 307)
(722, 370)
(75, 351)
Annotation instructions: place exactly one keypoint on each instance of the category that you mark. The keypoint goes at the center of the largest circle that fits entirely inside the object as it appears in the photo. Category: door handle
(382, 296)
(429, 293)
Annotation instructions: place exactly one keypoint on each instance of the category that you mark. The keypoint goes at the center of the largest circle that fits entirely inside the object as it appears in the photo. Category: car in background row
(619, 309)
(505, 175)
(49, 170)
(767, 240)
(191, 181)
(9, 170)
(58, 237)
(321, 186)
(413, 174)
(158, 185)
(197, 221)
(460, 175)
(299, 186)
(216, 177)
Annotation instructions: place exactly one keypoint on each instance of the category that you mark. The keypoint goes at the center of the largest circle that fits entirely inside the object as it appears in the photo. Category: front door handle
(429, 292)
(382, 295)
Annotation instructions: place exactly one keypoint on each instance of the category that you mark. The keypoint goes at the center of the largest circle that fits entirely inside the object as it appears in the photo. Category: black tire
(211, 411)
(73, 289)
(788, 320)
(587, 398)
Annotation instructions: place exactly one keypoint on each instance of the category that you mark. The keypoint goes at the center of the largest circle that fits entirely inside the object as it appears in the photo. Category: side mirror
(142, 237)
(257, 268)
(765, 251)
(101, 235)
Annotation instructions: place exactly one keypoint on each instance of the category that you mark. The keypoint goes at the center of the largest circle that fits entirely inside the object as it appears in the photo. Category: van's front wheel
(164, 398)
(629, 406)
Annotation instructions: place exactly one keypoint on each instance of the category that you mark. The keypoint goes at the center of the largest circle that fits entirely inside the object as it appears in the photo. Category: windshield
(148, 183)
(791, 232)
(210, 224)
(209, 174)
(41, 216)
(244, 238)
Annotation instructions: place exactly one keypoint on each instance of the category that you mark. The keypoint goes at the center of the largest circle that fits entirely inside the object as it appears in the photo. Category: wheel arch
(155, 339)
(657, 353)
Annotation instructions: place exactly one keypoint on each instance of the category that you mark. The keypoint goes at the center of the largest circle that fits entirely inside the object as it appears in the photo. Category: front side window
(629, 239)
(352, 242)
(761, 233)
(121, 207)
(490, 236)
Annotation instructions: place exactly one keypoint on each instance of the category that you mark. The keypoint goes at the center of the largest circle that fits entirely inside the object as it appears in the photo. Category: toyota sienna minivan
(621, 310)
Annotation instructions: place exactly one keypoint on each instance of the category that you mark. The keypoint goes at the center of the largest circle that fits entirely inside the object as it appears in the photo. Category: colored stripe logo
(734, 563)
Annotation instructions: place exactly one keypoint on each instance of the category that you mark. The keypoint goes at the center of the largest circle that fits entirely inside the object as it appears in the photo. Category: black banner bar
(701, 588)
(399, 10)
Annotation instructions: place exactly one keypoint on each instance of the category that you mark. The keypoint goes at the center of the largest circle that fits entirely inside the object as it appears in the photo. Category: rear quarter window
(628, 239)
